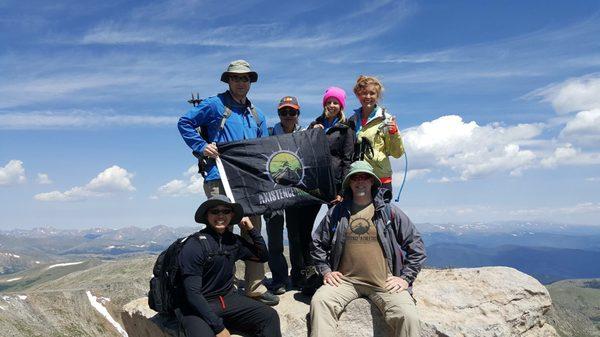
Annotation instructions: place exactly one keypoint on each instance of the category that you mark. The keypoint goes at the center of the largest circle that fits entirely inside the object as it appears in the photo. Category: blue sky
(498, 102)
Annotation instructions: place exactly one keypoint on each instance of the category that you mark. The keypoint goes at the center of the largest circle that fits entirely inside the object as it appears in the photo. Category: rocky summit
(467, 302)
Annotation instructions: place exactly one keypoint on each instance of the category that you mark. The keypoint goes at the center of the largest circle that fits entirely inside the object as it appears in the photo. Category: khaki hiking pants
(255, 272)
(398, 309)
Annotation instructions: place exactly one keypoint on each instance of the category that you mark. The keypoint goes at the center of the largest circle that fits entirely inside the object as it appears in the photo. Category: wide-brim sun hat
(238, 211)
(239, 67)
(360, 166)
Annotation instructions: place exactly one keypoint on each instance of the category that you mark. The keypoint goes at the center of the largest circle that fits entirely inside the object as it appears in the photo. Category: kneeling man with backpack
(210, 306)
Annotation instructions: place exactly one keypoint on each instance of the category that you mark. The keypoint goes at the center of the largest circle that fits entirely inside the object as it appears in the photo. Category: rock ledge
(477, 302)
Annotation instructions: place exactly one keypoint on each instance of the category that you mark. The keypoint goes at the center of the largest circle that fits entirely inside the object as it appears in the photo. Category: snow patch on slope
(102, 310)
(64, 264)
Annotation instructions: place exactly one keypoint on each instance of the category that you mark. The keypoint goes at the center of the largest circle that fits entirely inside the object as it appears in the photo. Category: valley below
(50, 279)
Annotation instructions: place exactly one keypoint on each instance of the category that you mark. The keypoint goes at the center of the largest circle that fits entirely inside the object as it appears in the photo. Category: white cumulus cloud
(569, 155)
(584, 128)
(177, 187)
(580, 96)
(576, 94)
(471, 150)
(113, 180)
(43, 179)
(12, 173)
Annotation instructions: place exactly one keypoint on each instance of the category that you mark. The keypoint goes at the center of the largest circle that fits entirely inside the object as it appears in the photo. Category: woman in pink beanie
(340, 133)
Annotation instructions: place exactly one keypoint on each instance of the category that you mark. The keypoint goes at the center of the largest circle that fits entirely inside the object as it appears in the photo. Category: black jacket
(341, 138)
(207, 268)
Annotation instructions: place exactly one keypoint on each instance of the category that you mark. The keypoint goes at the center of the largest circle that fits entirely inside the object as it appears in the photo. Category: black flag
(272, 173)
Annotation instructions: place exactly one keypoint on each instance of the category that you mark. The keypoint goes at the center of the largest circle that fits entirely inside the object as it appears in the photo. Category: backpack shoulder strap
(203, 130)
(255, 114)
(334, 220)
(226, 114)
(390, 217)
(202, 239)
(356, 119)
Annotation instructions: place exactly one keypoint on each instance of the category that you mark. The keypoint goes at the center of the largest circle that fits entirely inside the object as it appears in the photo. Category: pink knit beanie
(336, 92)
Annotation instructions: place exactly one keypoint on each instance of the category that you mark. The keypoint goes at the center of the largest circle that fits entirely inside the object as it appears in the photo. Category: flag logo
(277, 172)
(285, 168)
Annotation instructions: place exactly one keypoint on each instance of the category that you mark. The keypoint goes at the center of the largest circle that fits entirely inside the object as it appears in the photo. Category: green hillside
(576, 309)
(32, 278)
(53, 302)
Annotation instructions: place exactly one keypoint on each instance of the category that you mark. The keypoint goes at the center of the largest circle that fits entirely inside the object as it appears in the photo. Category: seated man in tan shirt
(366, 247)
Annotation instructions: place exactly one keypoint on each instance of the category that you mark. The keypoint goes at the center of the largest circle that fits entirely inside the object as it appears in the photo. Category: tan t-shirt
(362, 259)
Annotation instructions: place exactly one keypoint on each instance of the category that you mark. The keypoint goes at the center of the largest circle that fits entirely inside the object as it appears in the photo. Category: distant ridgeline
(24, 249)
(549, 252)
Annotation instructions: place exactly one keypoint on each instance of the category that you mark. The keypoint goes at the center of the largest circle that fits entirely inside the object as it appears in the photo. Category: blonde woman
(377, 134)
(340, 134)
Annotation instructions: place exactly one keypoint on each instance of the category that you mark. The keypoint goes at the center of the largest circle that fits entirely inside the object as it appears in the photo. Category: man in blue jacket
(227, 117)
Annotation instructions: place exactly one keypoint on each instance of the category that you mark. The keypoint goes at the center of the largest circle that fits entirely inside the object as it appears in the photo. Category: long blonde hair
(342, 117)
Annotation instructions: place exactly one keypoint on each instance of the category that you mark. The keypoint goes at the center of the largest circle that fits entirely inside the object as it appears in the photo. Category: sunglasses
(288, 112)
(360, 176)
(238, 79)
(216, 211)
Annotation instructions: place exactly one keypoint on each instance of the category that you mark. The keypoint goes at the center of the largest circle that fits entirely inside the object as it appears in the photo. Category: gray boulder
(477, 302)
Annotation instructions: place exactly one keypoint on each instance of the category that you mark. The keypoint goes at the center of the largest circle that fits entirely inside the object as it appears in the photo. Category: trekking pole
(195, 101)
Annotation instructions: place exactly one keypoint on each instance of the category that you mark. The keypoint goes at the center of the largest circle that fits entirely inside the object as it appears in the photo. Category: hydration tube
(405, 174)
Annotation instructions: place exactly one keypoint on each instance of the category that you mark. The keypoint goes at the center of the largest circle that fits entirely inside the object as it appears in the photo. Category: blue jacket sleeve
(197, 117)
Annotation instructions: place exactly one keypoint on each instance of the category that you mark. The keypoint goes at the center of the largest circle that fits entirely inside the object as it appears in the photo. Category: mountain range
(549, 252)
(24, 249)
(49, 276)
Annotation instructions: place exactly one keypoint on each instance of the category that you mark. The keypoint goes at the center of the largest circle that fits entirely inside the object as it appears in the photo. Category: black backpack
(165, 284)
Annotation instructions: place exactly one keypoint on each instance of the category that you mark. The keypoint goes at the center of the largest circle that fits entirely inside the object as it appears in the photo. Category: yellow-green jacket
(384, 144)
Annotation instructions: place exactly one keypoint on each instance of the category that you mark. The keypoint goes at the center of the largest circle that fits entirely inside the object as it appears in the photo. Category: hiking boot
(267, 298)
